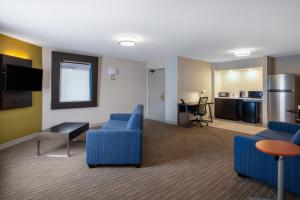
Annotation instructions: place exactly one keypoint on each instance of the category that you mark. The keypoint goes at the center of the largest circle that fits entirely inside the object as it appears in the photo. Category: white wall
(171, 90)
(193, 77)
(237, 80)
(119, 95)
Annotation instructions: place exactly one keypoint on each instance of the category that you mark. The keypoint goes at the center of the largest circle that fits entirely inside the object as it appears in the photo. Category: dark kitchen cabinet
(228, 108)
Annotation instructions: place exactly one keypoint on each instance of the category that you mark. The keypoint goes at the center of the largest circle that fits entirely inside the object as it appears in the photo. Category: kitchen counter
(243, 98)
(235, 108)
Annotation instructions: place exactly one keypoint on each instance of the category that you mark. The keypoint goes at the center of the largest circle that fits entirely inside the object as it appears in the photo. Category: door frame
(148, 69)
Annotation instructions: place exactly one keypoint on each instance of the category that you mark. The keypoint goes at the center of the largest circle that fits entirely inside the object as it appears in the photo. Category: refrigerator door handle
(281, 90)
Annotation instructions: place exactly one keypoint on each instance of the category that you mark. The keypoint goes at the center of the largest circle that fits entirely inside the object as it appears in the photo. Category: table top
(278, 148)
(67, 127)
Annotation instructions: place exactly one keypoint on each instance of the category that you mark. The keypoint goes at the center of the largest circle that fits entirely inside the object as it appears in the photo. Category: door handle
(162, 96)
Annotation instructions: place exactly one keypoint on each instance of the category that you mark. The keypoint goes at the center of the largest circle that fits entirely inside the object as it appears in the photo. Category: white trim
(19, 140)
(165, 121)
(171, 122)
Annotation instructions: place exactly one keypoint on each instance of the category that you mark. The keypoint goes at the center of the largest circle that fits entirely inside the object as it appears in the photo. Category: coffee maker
(242, 94)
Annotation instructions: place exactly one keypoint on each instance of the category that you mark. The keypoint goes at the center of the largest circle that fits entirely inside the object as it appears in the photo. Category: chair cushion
(258, 138)
(275, 135)
(114, 125)
(296, 138)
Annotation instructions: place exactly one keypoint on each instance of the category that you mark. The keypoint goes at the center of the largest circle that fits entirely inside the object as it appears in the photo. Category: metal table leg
(68, 148)
(280, 181)
(38, 147)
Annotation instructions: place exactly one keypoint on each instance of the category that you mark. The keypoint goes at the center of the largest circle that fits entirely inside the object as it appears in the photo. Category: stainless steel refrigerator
(283, 95)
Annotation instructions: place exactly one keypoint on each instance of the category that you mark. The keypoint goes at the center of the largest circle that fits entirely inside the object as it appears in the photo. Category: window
(74, 80)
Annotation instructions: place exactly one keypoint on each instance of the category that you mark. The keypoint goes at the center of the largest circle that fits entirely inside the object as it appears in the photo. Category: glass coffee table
(65, 131)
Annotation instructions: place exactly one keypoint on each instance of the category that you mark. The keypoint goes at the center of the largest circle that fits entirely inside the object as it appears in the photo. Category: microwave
(224, 94)
(255, 94)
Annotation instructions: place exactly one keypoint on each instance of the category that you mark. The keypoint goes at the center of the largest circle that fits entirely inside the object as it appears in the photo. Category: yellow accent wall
(16, 123)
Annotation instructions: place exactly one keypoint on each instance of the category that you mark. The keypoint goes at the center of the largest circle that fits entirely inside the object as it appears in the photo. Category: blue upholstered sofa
(118, 142)
(249, 162)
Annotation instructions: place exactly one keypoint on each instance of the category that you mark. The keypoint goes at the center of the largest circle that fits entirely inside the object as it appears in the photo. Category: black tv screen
(23, 78)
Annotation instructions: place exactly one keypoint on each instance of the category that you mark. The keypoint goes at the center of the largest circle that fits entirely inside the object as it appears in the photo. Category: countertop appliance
(224, 94)
(255, 94)
(242, 94)
(283, 95)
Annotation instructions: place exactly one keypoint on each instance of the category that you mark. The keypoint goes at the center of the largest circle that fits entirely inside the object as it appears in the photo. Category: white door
(156, 94)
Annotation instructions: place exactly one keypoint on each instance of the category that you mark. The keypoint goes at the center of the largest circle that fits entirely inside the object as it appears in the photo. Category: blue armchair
(118, 142)
(249, 162)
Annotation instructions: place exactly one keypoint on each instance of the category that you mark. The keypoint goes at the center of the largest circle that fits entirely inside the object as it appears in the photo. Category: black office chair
(201, 111)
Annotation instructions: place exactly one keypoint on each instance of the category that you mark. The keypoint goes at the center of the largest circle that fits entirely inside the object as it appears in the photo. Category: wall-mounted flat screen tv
(18, 78)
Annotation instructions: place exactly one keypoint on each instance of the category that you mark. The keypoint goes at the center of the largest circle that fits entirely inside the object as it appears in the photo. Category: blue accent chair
(118, 141)
(250, 162)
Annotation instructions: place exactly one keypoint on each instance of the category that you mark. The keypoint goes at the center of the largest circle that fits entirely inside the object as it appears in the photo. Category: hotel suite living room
(149, 99)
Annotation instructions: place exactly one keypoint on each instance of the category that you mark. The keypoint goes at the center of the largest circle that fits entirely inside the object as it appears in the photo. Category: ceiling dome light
(127, 41)
(242, 53)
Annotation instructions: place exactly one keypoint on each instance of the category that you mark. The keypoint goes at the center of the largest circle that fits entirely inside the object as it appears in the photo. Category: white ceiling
(201, 29)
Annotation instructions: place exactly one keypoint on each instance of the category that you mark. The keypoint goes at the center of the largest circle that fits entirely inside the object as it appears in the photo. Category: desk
(278, 149)
(191, 106)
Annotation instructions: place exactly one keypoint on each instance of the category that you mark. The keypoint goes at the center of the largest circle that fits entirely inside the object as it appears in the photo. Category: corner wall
(193, 77)
(171, 82)
(183, 73)
(16, 123)
(120, 95)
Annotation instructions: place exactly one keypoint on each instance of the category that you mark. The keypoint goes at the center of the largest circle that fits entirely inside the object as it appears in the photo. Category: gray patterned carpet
(179, 163)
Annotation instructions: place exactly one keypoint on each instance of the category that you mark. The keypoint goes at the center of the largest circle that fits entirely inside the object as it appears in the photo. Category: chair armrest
(246, 156)
(120, 116)
(114, 147)
(263, 167)
(283, 126)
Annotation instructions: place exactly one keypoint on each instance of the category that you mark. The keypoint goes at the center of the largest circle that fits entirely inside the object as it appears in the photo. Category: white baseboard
(171, 122)
(17, 141)
(165, 121)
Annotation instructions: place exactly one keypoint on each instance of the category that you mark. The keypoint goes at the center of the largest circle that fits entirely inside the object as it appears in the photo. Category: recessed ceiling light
(127, 41)
(242, 53)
